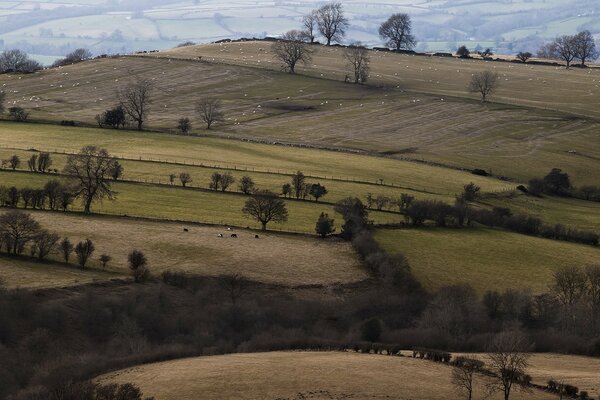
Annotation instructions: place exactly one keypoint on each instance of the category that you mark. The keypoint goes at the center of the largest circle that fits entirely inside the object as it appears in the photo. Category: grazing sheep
(220, 235)
(234, 235)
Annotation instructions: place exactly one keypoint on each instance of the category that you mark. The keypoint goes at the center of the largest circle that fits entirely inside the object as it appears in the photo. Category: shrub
(138, 266)
(83, 251)
(18, 114)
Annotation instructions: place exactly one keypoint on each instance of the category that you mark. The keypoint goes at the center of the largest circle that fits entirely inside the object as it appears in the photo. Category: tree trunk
(264, 226)
(88, 205)
(140, 122)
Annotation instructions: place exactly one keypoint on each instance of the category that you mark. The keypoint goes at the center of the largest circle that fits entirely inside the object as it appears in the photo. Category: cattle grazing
(186, 230)
(256, 237)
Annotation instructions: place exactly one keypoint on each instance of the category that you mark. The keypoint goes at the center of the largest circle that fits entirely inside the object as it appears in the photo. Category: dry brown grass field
(291, 259)
(579, 371)
(298, 375)
(404, 119)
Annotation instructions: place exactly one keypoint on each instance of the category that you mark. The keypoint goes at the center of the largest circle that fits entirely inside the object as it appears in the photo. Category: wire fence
(238, 168)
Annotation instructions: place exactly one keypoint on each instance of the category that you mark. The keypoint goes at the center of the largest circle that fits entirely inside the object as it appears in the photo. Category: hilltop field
(323, 375)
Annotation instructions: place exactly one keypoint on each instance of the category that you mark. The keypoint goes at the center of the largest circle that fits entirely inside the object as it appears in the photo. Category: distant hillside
(52, 28)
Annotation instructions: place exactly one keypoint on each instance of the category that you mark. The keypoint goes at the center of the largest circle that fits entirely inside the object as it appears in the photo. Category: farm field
(575, 370)
(297, 375)
(290, 259)
(17, 273)
(177, 203)
(483, 258)
(237, 154)
(447, 127)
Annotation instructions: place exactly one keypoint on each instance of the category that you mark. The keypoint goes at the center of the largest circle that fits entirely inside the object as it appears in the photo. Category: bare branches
(91, 168)
(331, 22)
(483, 83)
(398, 32)
(357, 57)
(291, 50)
(135, 100)
(210, 111)
(508, 362)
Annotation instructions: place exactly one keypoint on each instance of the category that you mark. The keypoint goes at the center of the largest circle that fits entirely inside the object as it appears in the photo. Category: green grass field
(484, 258)
(274, 258)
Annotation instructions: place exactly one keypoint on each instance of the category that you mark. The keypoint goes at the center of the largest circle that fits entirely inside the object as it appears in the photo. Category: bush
(18, 114)
(479, 172)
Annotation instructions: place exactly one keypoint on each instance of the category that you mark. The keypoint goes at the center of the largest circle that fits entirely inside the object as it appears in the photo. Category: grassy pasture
(274, 258)
(18, 273)
(176, 203)
(547, 87)
(575, 370)
(483, 258)
(297, 375)
(231, 153)
(403, 121)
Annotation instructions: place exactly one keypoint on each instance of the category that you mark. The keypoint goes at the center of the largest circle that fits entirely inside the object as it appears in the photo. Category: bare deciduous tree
(309, 22)
(17, 229)
(331, 22)
(358, 59)
(565, 48)
(483, 83)
(298, 183)
(135, 99)
(234, 284)
(45, 243)
(83, 251)
(185, 178)
(585, 47)
(569, 285)
(508, 362)
(246, 185)
(91, 168)
(210, 111)
(524, 56)
(66, 248)
(463, 376)
(265, 206)
(397, 30)
(291, 50)
(138, 264)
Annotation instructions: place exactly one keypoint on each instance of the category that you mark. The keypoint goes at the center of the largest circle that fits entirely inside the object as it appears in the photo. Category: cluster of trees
(16, 113)
(17, 61)
(301, 189)
(558, 183)
(74, 57)
(569, 48)
(54, 196)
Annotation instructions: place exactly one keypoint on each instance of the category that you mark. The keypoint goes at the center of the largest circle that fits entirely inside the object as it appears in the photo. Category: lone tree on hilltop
(331, 22)
(398, 32)
(484, 83)
(265, 206)
(524, 56)
(463, 52)
(291, 50)
(309, 23)
(91, 168)
(358, 59)
(508, 362)
(135, 100)
(210, 111)
(585, 47)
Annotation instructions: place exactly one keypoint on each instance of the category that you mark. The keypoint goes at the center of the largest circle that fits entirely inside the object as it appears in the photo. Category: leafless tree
(331, 22)
(17, 61)
(524, 56)
(358, 59)
(66, 248)
(298, 183)
(226, 180)
(291, 50)
(45, 243)
(246, 185)
(104, 259)
(309, 23)
(265, 206)
(463, 376)
(508, 362)
(185, 178)
(484, 83)
(585, 47)
(397, 30)
(14, 161)
(569, 285)
(91, 169)
(210, 111)
(83, 251)
(138, 264)
(565, 48)
(234, 284)
(17, 229)
(135, 99)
